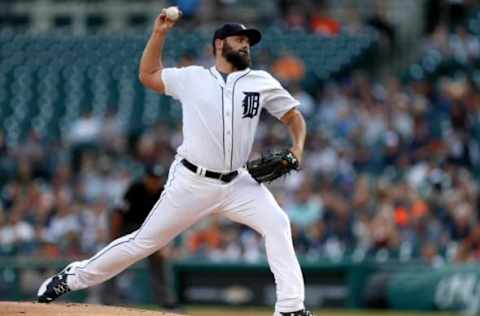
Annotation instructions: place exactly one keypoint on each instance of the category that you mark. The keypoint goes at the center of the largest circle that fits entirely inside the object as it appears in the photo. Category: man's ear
(219, 44)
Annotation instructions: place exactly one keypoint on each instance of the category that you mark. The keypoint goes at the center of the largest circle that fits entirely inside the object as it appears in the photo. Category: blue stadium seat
(60, 76)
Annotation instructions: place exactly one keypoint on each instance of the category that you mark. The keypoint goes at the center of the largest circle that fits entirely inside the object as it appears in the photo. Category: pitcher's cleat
(54, 287)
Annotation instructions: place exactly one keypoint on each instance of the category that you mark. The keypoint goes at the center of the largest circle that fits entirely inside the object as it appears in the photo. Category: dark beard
(239, 61)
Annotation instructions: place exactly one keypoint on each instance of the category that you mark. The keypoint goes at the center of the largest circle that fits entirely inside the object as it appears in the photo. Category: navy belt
(225, 177)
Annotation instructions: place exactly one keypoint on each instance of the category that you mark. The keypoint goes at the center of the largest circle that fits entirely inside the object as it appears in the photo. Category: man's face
(236, 50)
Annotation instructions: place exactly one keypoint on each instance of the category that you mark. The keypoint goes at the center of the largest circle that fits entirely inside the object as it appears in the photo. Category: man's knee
(141, 247)
(279, 224)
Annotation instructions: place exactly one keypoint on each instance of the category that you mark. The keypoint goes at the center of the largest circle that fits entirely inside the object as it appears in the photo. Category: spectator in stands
(205, 237)
(321, 22)
(465, 47)
(288, 68)
(83, 137)
(383, 227)
(112, 133)
(85, 130)
(431, 256)
(94, 226)
(307, 102)
(469, 248)
(306, 208)
(229, 249)
(352, 21)
(64, 227)
(253, 248)
(439, 40)
(295, 18)
(16, 235)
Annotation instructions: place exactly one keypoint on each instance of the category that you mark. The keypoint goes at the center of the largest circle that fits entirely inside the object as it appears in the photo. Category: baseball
(172, 13)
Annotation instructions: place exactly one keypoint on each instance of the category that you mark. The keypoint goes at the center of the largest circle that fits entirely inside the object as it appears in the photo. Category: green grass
(261, 311)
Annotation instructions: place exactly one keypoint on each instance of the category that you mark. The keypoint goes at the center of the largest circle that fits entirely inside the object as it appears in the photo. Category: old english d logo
(250, 103)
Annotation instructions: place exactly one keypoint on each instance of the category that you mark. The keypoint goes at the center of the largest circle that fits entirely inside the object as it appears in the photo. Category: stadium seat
(59, 76)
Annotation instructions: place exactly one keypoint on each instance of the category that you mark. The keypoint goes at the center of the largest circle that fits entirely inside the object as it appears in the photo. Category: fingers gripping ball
(172, 13)
(272, 166)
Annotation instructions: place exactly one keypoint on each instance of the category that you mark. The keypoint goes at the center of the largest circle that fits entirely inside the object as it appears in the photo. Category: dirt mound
(54, 309)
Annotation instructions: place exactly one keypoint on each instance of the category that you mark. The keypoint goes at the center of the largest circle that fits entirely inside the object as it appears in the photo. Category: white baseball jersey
(220, 118)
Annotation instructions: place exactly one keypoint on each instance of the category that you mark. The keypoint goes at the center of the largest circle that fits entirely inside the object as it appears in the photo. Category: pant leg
(253, 205)
(184, 201)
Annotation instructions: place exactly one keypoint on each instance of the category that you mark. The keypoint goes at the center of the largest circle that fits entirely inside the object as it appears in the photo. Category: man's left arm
(295, 122)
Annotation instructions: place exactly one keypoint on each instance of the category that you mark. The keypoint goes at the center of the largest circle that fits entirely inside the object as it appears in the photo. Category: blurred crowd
(460, 45)
(390, 172)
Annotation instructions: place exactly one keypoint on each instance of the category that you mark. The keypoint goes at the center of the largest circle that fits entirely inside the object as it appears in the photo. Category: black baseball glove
(272, 166)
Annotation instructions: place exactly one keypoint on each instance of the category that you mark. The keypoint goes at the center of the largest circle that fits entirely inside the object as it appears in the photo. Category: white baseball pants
(187, 198)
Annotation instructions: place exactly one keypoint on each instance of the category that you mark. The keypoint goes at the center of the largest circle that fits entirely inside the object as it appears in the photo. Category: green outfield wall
(344, 284)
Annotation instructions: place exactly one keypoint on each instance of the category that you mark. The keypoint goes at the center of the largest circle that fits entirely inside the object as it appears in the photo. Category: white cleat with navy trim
(54, 287)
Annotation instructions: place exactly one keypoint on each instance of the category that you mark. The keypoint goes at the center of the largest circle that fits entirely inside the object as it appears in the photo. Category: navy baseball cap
(231, 29)
(156, 171)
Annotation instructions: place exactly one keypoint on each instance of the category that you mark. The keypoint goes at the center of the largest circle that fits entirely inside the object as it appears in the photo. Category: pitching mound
(54, 309)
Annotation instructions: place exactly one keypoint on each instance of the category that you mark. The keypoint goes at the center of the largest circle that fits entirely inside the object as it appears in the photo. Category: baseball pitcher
(210, 175)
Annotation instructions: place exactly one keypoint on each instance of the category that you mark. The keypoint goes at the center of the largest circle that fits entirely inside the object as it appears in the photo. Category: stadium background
(389, 193)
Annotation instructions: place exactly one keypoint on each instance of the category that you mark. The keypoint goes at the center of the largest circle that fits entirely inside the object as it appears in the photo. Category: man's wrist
(160, 32)
(297, 149)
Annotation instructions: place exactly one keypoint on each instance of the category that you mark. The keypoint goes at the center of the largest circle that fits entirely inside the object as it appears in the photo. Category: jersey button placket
(228, 126)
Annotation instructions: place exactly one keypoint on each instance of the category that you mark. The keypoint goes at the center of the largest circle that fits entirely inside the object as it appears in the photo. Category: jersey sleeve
(278, 101)
(174, 81)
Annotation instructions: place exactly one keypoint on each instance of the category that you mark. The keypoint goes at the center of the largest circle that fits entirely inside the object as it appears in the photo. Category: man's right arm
(151, 66)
